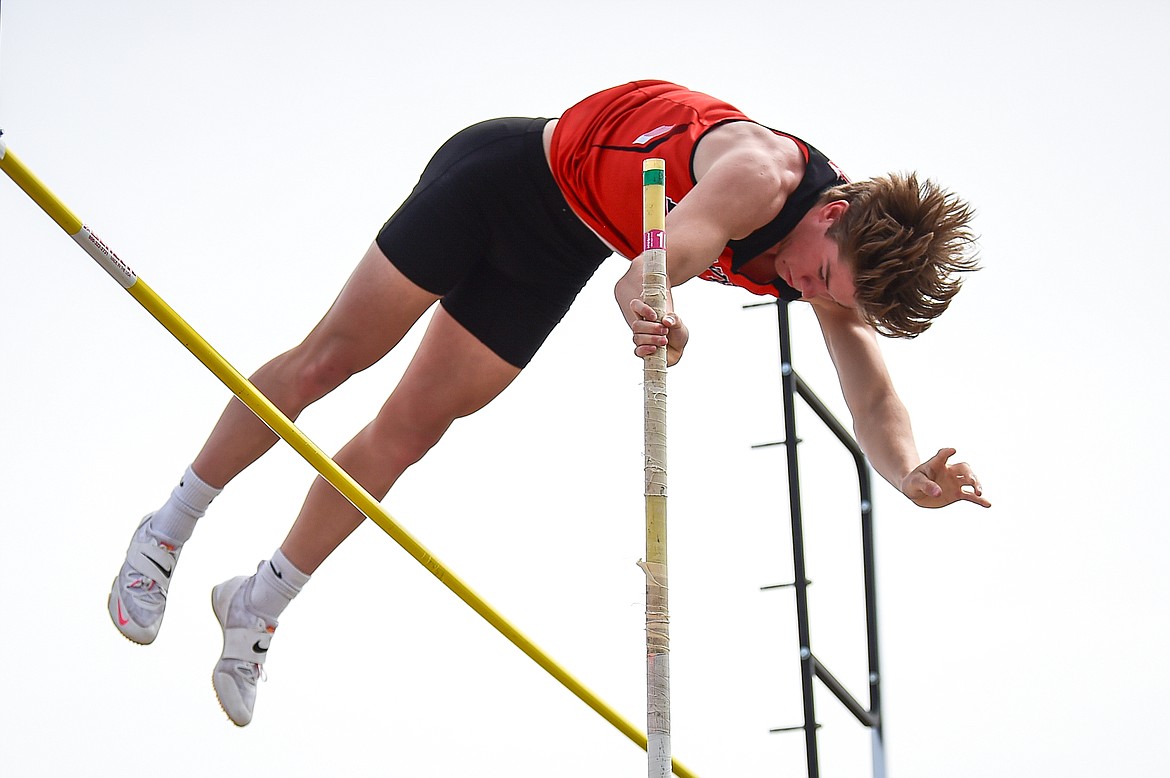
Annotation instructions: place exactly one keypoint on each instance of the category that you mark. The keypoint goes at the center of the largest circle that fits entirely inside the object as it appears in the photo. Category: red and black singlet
(597, 150)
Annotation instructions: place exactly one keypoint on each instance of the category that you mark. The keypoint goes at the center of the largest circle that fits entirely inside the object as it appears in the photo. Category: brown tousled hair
(906, 242)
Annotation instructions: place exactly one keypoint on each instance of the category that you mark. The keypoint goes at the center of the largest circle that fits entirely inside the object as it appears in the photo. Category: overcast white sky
(241, 156)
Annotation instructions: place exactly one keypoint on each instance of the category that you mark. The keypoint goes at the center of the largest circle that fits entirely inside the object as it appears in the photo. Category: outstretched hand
(650, 334)
(936, 483)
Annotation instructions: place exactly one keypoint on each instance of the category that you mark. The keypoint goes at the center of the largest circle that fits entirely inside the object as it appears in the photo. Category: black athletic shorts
(487, 228)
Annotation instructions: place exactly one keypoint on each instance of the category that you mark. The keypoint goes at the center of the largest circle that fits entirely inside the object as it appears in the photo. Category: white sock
(274, 586)
(175, 521)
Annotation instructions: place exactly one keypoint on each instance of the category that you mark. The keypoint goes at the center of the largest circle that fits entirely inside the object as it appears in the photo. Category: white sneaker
(246, 637)
(138, 596)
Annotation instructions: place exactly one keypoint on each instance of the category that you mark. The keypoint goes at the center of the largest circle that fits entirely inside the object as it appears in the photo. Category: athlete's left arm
(880, 420)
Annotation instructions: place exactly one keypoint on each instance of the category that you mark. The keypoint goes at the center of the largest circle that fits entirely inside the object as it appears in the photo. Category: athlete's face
(810, 261)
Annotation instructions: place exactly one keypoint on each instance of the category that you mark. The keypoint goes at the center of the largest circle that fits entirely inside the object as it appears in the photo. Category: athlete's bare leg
(452, 375)
(377, 306)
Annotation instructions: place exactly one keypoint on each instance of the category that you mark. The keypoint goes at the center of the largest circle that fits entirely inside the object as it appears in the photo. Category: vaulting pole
(654, 281)
(282, 426)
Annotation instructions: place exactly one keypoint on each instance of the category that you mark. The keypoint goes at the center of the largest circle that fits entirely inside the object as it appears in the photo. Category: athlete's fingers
(652, 340)
(642, 310)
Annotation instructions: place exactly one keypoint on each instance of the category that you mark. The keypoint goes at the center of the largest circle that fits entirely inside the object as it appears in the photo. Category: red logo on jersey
(716, 273)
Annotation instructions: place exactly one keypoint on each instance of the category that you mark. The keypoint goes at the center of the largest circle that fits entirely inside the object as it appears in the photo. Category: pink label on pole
(653, 239)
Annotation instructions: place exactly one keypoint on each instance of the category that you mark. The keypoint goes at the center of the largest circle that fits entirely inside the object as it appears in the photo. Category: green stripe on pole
(653, 177)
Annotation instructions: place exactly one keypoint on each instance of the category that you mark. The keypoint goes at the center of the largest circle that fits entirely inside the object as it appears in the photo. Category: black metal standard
(810, 667)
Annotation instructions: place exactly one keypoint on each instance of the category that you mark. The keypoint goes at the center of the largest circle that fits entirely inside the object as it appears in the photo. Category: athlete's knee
(322, 374)
(408, 441)
(306, 375)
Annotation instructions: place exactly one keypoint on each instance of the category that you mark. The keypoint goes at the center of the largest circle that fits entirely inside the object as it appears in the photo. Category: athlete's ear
(831, 212)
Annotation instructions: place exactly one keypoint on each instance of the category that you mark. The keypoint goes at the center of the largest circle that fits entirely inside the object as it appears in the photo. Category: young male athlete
(507, 223)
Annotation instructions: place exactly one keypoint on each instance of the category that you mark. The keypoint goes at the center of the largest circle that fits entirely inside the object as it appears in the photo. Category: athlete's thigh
(375, 309)
(452, 374)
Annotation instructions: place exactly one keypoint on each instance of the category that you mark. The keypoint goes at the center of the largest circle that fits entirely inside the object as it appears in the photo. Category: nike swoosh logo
(258, 649)
(163, 570)
(274, 570)
(122, 620)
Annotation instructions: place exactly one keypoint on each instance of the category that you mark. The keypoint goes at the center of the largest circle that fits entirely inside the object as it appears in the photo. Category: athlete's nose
(809, 287)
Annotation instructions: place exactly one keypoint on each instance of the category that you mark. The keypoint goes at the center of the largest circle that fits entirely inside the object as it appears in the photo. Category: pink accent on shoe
(121, 619)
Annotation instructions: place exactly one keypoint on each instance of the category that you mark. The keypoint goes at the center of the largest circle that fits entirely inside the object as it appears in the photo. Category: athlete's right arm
(739, 192)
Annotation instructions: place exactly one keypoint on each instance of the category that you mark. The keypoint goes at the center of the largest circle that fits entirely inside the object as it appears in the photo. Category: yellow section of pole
(654, 281)
(282, 426)
(32, 186)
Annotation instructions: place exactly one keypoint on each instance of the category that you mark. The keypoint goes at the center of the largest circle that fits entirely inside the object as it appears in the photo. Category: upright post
(810, 666)
(807, 663)
(654, 396)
